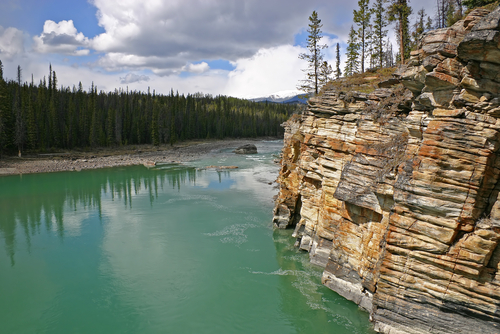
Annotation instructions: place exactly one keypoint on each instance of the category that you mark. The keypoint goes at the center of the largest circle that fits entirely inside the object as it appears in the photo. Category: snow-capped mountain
(285, 96)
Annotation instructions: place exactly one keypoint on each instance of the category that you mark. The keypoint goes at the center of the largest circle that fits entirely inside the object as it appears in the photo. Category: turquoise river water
(171, 249)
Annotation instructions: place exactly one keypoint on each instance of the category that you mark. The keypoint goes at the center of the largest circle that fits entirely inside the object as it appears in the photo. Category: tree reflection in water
(38, 201)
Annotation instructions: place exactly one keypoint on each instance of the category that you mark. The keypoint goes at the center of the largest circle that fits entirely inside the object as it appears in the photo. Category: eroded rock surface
(397, 194)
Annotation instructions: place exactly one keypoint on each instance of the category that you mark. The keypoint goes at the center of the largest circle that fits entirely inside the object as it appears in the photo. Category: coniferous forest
(41, 117)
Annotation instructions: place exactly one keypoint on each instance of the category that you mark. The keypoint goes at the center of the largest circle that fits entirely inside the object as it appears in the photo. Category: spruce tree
(352, 63)
(155, 137)
(476, 3)
(388, 54)
(338, 72)
(19, 114)
(4, 105)
(418, 28)
(31, 119)
(428, 24)
(314, 56)
(362, 20)
(399, 11)
(325, 72)
(379, 31)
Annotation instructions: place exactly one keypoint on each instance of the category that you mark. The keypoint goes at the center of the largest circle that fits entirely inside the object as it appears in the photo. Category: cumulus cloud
(62, 38)
(269, 71)
(11, 43)
(131, 77)
(166, 35)
(196, 68)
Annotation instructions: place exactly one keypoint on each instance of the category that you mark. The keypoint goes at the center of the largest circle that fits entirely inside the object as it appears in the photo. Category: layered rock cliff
(396, 193)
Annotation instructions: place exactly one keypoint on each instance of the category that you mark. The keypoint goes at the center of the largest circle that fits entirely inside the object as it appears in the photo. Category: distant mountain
(287, 96)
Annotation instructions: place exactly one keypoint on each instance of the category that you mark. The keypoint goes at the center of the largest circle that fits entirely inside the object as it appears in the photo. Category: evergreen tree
(99, 119)
(379, 31)
(155, 137)
(4, 105)
(325, 72)
(388, 54)
(428, 24)
(338, 72)
(53, 106)
(31, 131)
(418, 27)
(399, 11)
(314, 56)
(476, 3)
(18, 112)
(362, 20)
(94, 131)
(453, 14)
(352, 63)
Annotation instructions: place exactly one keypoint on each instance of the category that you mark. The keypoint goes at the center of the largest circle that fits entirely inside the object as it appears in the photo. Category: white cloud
(269, 71)
(62, 38)
(166, 35)
(197, 68)
(11, 43)
(163, 38)
(131, 77)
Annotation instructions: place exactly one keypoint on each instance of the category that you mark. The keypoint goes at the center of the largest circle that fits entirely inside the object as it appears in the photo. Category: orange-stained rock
(402, 207)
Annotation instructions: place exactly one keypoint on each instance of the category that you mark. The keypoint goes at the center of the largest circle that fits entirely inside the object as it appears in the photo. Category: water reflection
(296, 271)
(37, 202)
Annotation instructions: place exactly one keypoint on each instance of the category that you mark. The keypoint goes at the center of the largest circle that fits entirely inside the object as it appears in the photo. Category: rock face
(397, 193)
(246, 149)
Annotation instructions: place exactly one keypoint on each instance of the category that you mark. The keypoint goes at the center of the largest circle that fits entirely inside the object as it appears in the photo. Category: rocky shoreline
(114, 157)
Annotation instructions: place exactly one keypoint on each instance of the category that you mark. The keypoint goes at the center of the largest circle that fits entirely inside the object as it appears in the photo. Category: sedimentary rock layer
(397, 194)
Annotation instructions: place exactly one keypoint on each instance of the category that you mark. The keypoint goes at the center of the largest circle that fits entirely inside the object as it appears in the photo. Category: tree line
(368, 46)
(42, 117)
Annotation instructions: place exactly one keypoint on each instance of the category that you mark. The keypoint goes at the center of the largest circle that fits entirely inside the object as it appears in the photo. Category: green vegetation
(42, 117)
(367, 43)
(362, 82)
(476, 3)
(362, 20)
(314, 57)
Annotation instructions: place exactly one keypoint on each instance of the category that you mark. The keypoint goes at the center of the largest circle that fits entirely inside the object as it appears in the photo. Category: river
(169, 249)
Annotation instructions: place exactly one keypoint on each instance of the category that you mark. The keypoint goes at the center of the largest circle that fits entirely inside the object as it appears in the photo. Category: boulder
(246, 149)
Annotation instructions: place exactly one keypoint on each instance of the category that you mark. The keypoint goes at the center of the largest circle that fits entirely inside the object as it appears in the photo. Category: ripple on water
(234, 234)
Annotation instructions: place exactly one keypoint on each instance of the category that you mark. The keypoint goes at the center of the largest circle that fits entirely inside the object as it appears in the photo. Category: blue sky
(233, 47)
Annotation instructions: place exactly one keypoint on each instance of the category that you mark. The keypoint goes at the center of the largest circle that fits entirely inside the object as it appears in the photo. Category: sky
(241, 48)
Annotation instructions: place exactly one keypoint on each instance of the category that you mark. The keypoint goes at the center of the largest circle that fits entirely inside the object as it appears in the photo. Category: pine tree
(155, 137)
(418, 27)
(56, 135)
(338, 72)
(399, 11)
(453, 14)
(352, 63)
(388, 54)
(476, 3)
(428, 24)
(314, 57)
(362, 19)
(325, 72)
(31, 131)
(4, 105)
(379, 31)
(94, 131)
(18, 112)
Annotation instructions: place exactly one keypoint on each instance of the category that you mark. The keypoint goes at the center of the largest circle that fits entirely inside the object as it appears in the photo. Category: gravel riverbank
(113, 157)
